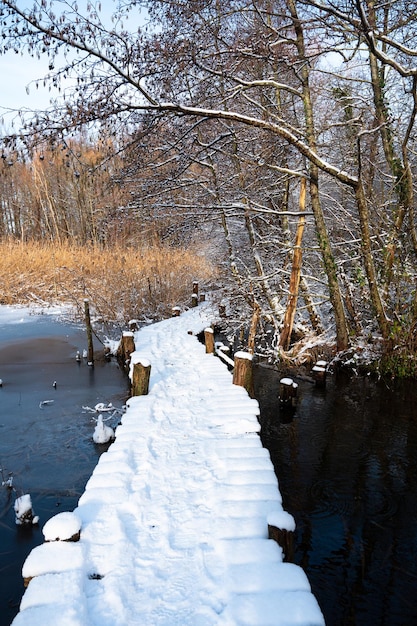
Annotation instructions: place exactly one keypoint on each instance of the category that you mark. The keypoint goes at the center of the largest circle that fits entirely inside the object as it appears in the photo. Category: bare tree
(249, 76)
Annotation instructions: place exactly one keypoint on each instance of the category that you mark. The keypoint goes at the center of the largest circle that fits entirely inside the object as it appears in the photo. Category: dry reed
(121, 283)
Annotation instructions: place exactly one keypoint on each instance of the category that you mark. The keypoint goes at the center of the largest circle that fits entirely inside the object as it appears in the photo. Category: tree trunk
(383, 321)
(342, 337)
(253, 327)
(285, 337)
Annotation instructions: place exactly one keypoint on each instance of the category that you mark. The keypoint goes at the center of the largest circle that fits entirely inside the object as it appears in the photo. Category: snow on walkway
(174, 516)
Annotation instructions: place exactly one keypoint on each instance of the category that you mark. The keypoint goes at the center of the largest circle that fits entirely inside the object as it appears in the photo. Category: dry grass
(121, 283)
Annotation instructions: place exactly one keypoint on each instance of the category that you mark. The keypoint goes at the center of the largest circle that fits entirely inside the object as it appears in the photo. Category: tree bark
(383, 321)
(253, 327)
(288, 322)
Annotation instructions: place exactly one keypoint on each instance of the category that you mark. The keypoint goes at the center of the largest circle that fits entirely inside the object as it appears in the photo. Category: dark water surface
(347, 467)
(48, 448)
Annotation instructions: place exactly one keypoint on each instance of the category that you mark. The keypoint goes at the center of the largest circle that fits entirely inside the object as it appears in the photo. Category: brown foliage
(121, 283)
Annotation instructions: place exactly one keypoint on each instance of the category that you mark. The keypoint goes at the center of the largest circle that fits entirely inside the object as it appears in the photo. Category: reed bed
(121, 283)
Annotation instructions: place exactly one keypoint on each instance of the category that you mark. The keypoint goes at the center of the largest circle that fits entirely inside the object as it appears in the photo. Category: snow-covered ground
(174, 518)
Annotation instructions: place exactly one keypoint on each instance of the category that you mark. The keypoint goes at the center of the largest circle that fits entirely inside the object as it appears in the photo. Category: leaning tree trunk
(289, 315)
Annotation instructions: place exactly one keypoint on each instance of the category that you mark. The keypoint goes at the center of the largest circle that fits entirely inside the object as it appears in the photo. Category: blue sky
(16, 72)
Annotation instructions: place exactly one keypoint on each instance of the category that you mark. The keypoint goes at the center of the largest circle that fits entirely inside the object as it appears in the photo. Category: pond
(45, 433)
(346, 459)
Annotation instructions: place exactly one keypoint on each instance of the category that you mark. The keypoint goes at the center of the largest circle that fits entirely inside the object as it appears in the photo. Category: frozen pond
(45, 434)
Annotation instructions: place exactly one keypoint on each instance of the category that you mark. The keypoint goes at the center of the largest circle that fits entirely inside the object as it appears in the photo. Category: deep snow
(174, 517)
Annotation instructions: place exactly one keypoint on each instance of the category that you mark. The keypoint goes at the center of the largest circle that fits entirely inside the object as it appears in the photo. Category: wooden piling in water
(209, 340)
(140, 377)
(133, 325)
(194, 296)
(243, 371)
(126, 347)
(281, 527)
(319, 372)
(288, 391)
(89, 329)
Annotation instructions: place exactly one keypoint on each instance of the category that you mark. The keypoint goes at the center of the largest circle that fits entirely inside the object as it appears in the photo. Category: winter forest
(275, 138)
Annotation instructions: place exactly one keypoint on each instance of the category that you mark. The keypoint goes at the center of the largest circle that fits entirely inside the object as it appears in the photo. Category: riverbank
(174, 520)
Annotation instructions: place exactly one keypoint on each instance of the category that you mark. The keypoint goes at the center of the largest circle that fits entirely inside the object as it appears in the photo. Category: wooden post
(133, 325)
(319, 372)
(209, 340)
(281, 527)
(202, 297)
(90, 349)
(243, 371)
(194, 297)
(176, 311)
(140, 377)
(126, 347)
(288, 391)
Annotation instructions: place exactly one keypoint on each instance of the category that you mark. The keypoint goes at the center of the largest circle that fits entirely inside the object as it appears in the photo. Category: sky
(174, 519)
(17, 71)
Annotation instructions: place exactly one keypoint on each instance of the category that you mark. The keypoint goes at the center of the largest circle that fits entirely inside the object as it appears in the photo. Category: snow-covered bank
(17, 321)
(174, 517)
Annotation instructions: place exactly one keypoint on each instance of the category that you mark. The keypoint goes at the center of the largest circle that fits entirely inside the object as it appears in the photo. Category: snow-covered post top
(281, 526)
(243, 371)
(319, 373)
(247, 356)
(281, 520)
(65, 526)
(288, 391)
(140, 373)
(133, 325)
(23, 511)
(126, 347)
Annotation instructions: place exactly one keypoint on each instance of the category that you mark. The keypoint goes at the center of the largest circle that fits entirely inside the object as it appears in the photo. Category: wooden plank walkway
(174, 516)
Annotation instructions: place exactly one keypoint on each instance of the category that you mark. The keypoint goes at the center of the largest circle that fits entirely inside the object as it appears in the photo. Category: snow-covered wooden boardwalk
(174, 517)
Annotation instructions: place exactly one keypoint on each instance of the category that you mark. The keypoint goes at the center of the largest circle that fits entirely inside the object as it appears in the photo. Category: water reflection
(347, 468)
